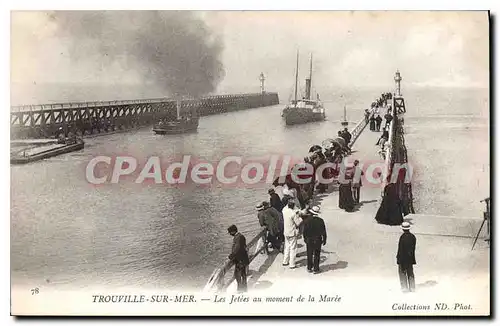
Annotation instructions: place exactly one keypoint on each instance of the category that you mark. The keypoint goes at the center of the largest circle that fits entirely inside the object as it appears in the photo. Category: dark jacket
(276, 202)
(239, 252)
(346, 135)
(406, 249)
(314, 230)
(270, 220)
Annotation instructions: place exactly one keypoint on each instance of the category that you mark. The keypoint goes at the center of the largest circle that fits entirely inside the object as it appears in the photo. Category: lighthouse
(262, 79)
(398, 99)
(397, 79)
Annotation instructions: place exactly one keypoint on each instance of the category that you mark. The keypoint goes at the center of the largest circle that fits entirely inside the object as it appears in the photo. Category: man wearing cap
(276, 215)
(239, 256)
(406, 258)
(291, 222)
(314, 237)
(275, 200)
(264, 240)
(271, 222)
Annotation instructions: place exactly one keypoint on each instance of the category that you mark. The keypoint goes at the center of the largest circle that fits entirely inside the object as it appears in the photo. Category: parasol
(315, 148)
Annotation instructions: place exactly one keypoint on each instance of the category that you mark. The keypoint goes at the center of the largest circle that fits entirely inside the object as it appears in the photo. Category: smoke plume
(173, 50)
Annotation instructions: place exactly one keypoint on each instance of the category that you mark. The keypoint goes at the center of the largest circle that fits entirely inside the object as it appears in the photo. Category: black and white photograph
(250, 163)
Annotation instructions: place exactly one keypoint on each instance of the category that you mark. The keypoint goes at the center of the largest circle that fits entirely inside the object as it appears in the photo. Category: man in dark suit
(275, 200)
(239, 256)
(406, 258)
(314, 236)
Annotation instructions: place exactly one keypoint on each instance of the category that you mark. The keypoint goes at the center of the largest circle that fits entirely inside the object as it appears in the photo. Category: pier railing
(389, 152)
(219, 281)
(396, 153)
(360, 126)
(89, 118)
(89, 104)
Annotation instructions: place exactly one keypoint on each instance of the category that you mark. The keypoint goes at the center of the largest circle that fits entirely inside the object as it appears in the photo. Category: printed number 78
(35, 291)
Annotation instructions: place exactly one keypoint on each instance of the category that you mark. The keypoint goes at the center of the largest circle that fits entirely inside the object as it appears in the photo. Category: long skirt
(390, 211)
(372, 125)
(346, 200)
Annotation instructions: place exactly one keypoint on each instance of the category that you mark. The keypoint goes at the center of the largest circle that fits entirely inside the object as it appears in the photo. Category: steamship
(303, 110)
(182, 124)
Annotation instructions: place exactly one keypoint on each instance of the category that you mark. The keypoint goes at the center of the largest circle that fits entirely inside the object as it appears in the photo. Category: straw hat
(314, 210)
(405, 226)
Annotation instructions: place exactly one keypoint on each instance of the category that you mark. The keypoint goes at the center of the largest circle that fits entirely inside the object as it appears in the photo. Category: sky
(349, 49)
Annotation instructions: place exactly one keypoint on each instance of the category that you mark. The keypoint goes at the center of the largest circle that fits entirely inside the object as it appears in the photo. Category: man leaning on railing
(239, 256)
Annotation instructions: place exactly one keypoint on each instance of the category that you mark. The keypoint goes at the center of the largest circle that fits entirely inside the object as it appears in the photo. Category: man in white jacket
(291, 222)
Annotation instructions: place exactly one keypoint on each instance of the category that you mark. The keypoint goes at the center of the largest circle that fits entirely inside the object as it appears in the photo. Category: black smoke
(174, 50)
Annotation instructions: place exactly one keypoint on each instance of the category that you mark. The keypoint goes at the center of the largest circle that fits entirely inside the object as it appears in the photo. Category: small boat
(183, 124)
(37, 153)
(179, 126)
(306, 109)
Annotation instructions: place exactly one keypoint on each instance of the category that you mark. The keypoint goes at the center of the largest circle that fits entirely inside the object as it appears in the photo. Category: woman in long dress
(390, 211)
(372, 123)
(346, 200)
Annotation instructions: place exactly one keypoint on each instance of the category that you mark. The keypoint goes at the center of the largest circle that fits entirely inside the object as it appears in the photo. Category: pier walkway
(358, 262)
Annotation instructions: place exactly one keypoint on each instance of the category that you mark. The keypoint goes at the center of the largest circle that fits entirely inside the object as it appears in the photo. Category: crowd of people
(289, 218)
(285, 224)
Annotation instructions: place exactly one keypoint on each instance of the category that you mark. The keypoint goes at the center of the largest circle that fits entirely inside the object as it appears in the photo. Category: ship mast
(308, 82)
(296, 77)
(310, 76)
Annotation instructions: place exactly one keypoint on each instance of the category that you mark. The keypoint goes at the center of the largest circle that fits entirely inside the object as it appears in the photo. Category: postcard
(249, 163)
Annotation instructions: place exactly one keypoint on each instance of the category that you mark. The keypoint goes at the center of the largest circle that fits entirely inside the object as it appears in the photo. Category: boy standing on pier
(239, 256)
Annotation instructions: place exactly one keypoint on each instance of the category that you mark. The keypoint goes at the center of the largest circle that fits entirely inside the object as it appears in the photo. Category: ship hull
(20, 159)
(172, 129)
(299, 117)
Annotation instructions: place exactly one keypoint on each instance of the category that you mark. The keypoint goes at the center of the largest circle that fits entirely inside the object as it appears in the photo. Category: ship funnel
(308, 88)
(308, 81)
